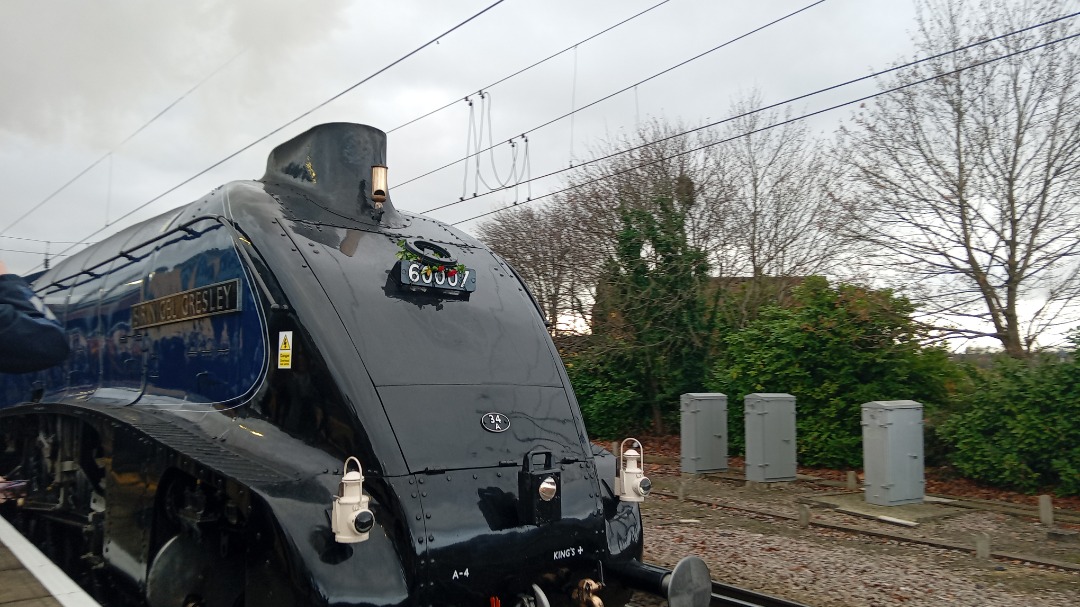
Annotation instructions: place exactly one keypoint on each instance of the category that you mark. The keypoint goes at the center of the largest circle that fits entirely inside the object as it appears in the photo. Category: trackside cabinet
(893, 452)
(770, 437)
(703, 425)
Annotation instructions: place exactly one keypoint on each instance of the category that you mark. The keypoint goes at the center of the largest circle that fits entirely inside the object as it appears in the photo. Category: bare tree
(560, 248)
(635, 171)
(541, 244)
(967, 185)
(783, 223)
(775, 178)
(761, 211)
(759, 208)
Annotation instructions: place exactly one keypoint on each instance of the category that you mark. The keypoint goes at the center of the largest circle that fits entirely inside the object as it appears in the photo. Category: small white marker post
(804, 516)
(982, 545)
(1046, 510)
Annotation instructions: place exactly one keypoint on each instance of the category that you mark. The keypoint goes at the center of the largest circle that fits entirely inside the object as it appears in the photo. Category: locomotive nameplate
(416, 274)
(219, 298)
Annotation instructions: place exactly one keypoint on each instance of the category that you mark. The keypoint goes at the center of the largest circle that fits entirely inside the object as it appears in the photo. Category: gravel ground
(827, 568)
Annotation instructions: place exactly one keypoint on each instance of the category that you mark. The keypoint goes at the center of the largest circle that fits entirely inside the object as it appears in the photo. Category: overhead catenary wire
(777, 124)
(531, 66)
(35, 252)
(298, 118)
(516, 175)
(767, 107)
(623, 90)
(151, 201)
(47, 240)
(110, 153)
(46, 255)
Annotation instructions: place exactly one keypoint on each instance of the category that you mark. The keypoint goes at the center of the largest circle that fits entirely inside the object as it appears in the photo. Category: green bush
(607, 394)
(1021, 428)
(650, 326)
(833, 349)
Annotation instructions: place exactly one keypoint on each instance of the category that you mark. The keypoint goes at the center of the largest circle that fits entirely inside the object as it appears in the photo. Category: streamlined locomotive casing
(229, 355)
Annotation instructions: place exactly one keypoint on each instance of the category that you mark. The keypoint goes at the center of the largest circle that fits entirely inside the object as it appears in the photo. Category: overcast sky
(80, 77)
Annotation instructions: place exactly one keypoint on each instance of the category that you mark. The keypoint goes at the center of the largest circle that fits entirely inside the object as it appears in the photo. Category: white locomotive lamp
(631, 484)
(350, 517)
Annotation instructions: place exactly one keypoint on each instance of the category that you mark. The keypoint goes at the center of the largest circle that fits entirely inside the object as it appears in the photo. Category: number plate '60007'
(414, 274)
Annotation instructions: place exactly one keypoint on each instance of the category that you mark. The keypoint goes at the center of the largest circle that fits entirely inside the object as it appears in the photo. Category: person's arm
(30, 337)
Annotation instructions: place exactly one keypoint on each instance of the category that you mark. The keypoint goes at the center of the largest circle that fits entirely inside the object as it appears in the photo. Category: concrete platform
(28, 579)
(907, 515)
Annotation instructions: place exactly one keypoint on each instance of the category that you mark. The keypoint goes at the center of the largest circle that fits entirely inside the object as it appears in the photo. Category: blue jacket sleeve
(30, 337)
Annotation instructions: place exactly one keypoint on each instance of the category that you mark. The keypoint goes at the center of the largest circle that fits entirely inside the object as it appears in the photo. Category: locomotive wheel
(188, 572)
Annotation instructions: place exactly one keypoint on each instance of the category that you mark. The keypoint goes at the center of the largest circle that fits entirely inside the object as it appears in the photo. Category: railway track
(725, 595)
(936, 543)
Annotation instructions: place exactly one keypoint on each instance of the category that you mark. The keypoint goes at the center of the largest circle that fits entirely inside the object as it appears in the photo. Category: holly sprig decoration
(405, 254)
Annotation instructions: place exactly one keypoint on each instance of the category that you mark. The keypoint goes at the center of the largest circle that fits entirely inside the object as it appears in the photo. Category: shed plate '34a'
(495, 422)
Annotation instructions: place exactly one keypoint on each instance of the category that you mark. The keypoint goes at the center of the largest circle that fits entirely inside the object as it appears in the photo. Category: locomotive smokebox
(333, 165)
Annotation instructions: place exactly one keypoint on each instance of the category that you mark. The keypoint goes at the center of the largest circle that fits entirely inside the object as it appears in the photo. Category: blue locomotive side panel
(172, 321)
(122, 368)
(206, 341)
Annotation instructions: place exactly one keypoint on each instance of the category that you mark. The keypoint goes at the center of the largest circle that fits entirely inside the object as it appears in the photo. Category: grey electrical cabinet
(893, 452)
(703, 425)
(770, 437)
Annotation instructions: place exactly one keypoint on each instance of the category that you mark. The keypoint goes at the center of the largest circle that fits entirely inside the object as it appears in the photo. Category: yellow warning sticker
(284, 351)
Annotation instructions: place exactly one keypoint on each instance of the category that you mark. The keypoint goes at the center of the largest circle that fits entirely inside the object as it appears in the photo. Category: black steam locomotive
(291, 393)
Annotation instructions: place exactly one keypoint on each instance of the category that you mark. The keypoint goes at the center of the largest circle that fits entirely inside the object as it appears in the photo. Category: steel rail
(725, 595)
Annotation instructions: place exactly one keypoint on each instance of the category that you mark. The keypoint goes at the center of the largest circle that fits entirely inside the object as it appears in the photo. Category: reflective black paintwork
(398, 378)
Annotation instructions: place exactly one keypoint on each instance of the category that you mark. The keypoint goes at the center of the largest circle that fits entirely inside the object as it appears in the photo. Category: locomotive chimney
(339, 166)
